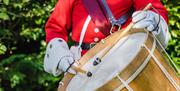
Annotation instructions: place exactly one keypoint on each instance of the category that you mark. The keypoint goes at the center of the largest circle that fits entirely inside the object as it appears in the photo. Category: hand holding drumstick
(77, 69)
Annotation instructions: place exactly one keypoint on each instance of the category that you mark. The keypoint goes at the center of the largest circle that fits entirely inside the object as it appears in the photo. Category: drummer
(74, 18)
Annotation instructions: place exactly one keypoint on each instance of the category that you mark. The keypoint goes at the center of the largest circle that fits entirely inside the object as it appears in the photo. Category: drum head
(114, 62)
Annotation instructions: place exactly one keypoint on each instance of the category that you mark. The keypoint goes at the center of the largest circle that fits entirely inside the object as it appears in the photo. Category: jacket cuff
(162, 34)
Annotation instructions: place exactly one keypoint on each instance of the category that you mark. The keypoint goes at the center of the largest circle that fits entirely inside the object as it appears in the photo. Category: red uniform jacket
(70, 15)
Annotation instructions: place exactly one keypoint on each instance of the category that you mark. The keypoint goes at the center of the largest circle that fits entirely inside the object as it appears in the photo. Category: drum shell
(151, 78)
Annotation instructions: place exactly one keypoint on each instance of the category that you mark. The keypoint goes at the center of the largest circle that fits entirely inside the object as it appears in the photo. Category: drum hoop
(87, 56)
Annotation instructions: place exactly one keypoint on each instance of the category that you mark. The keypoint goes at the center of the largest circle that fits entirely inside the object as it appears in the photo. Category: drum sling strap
(103, 18)
(102, 15)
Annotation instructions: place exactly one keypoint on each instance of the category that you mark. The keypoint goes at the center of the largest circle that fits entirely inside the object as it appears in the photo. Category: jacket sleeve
(59, 23)
(140, 4)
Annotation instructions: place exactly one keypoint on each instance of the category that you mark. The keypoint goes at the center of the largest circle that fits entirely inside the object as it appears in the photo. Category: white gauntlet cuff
(162, 34)
(56, 49)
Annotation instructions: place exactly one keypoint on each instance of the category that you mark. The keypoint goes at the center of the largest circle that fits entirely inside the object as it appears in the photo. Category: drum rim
(133, 30)
(85, 59)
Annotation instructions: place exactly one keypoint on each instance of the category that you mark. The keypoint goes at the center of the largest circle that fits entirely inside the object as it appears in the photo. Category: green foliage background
(22, 43)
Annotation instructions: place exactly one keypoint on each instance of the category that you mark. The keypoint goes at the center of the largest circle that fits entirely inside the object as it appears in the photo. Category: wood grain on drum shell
(150, 79)
(108, 41)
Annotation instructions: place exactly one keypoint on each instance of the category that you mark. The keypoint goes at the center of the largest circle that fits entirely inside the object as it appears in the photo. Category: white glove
(76, 51)
(144, 19)
(58, 57)
(65, 63)
(149, 20)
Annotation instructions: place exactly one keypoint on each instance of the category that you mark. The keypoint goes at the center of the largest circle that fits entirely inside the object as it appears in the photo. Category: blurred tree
(174, 26)
(22, 24)
(22, 45)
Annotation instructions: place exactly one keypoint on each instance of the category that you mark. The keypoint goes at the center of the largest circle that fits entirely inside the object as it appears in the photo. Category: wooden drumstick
(69, 76)
(78, 69)
(147, 7)
(129, 27)
(132, 23)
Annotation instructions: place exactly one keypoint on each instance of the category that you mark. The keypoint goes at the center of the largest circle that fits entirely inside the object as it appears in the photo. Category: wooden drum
(133, 63)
